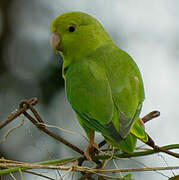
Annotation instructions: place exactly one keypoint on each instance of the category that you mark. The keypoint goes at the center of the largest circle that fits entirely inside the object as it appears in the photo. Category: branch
(57, 137)
(151, 143)
(38, 174)
(16, 113)
(82, 168)
(23, 107)
(136, 154)
(16, 167)
(38, 122)
(79, 159)
(150, 116)
(138, 169)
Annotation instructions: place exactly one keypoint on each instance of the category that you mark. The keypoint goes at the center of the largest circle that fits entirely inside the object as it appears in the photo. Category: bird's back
(125, 82)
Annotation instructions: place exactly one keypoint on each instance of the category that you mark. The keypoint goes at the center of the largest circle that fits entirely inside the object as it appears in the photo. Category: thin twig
(23, 107)
(12, 176)
(38, 174)
(138, 169)
(67, 172)
(11, 130)
(21, 174)
(150, 116)
(65, 130)
(57, 137)
(33, 166)
(136, 154)
(84, 168)
(142, 164)
(51, 162)
(18, 112)
(42, 128)
(166, 163)
(151, 143)
(9, 161)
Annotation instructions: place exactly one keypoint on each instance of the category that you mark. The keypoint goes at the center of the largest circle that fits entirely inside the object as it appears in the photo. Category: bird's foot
(90, 148)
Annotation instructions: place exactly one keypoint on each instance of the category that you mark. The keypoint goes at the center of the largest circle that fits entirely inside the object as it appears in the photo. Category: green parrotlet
(103, 83)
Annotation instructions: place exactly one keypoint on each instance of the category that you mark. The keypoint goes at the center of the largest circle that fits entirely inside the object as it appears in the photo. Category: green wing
(127, 91)
(88, 91)
(126, 87)
(106, 92)
(89, 94)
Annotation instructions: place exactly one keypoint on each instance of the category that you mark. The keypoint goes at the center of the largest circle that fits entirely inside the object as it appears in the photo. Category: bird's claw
(90, 148)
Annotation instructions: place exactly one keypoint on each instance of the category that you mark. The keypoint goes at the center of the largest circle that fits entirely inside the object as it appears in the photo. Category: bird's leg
(90, 147)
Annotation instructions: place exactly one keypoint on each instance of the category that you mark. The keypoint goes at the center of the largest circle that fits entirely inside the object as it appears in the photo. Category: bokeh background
(147, 30)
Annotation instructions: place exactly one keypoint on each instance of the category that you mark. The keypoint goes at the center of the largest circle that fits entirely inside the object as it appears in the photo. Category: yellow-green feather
(103, 83)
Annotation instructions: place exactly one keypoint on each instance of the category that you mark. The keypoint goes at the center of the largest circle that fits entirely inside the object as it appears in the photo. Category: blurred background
(147, 30)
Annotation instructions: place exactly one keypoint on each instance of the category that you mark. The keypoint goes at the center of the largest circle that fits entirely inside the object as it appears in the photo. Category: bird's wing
(127, 90)
(89, 94)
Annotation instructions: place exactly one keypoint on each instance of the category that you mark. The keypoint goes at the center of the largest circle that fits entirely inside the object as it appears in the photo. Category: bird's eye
(71, 28)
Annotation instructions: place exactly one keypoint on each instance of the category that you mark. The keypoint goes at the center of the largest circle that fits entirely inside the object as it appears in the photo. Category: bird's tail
(138, 131)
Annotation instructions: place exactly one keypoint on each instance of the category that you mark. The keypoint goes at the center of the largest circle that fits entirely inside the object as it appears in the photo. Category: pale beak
(54, 41)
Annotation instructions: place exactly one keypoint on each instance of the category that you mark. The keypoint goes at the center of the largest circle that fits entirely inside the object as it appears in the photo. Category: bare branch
(57, 137)
(18, 112)
(23, 107)
(151, 143)
(37, 174)
(136, 154)
(11, 130)
(84, 168)
(150, 116)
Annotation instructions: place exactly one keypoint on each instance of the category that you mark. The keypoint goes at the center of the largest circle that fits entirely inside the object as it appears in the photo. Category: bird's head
(76, 34)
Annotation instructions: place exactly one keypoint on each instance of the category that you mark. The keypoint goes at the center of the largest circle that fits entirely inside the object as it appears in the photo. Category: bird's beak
(55, 41)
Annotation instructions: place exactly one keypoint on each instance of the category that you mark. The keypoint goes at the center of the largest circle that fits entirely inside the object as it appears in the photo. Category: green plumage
(103, 83)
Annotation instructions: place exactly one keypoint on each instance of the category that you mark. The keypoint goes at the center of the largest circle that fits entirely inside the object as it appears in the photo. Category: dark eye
(71, 28)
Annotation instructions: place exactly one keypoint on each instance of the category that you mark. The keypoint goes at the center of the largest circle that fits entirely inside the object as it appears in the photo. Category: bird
(103, 84)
